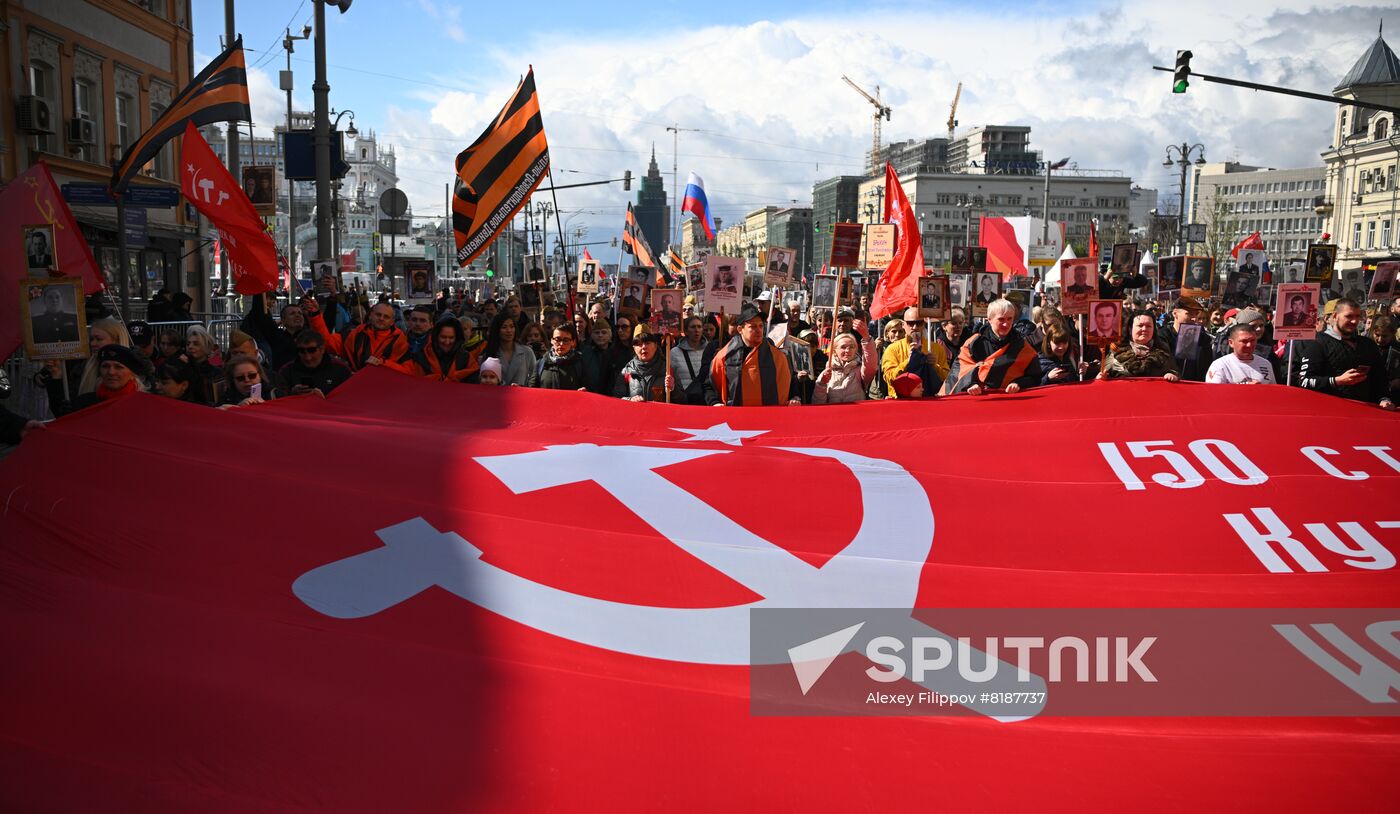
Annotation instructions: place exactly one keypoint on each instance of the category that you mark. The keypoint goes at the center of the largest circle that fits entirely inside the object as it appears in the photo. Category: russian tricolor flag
(698, 205)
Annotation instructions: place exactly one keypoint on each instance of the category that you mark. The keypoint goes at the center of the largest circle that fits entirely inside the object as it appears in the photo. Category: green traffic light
(1180, 86)
(490, 273)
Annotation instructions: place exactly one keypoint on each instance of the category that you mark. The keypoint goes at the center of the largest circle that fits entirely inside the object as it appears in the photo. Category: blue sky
(762, 81)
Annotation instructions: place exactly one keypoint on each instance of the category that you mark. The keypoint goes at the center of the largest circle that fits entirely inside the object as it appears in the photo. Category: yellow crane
(953, 114)
(882, 110)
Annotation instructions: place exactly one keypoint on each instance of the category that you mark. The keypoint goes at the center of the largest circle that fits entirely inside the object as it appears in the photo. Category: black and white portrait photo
(54, 323)
(39, 257)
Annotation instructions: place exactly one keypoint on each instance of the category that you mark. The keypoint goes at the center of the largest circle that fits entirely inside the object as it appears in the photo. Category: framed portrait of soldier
(778, 269)
(260, 185)
(1198, 278)
(1383, 281)
(1295, 272)
(1105, 322)
(695, 276)
(51, 311)
(588, 276)
(1350, 283)
(1240, 288)
(977, 255)
(933, 297)
(1125, 259)
(666, 310)
(633, 295)
(40, 259)
(723, 281)
(824, 291)
(1295, 310)
(986, 290)
(529, 296)
(962, 259)
(1169, 270)
(420, 274)
(959, 290)
(1322, 258)
(534, 268)
(1080, 284)
(640, 274)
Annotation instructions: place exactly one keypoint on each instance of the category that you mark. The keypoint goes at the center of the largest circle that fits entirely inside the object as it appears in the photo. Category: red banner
(549, 608)
(248, 248)
(33, 199)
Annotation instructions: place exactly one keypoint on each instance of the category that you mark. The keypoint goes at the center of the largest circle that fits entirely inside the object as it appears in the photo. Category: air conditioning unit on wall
(80, 131)
(33, 116)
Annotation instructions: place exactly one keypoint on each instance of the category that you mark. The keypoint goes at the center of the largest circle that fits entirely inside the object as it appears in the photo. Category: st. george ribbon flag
(529, 600)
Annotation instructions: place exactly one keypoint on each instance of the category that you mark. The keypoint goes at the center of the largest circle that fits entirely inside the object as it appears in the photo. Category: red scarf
(104, 393)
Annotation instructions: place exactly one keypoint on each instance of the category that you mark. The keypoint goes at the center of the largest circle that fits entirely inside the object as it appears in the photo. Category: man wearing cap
(750, 371)
(1342, 362)
(143, 339)
(1191, 362)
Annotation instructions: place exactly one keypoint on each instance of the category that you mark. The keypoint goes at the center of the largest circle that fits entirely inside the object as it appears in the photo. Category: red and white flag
(248, 248)
(899, 285)
(1254, 241)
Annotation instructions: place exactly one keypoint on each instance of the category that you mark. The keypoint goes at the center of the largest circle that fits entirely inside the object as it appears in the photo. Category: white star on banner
(722, 433)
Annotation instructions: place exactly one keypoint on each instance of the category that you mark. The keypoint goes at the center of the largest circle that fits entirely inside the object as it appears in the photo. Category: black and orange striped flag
(499, 171)
(635, 242)
(674, 264)
(218, 94)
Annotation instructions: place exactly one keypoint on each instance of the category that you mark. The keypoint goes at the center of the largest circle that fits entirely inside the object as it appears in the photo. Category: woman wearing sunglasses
(246, 383)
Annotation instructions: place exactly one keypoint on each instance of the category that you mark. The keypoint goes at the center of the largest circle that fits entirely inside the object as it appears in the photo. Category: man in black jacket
(313, 370)
(1342, 362)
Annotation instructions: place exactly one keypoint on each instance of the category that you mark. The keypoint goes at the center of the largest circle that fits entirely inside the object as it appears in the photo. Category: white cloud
(775, 115)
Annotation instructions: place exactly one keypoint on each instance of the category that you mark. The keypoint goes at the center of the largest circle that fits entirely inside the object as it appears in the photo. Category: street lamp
(285, 82)
(1183, 153)
(321, 137)
(1045, 211)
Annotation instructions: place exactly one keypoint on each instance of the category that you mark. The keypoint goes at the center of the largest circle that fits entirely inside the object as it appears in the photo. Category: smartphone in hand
(256, 391)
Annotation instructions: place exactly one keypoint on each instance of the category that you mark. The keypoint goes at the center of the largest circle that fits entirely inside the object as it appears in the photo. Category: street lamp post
(288, 43)
(335, 198)
(1045, 206)
(1183, 153)
(321, 137)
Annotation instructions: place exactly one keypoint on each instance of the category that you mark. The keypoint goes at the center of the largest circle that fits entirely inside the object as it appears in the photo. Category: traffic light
(817, 226)
(1182, 72)
(490, 273)
(626, 180)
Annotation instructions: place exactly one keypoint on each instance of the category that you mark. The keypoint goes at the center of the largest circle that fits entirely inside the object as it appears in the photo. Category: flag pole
(668, 369)
(1081, 347)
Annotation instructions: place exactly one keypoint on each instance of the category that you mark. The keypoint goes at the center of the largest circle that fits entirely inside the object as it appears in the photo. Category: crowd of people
(767, 354)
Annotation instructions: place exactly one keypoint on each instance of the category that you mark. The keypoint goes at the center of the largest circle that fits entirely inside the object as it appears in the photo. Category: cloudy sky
(757, 87)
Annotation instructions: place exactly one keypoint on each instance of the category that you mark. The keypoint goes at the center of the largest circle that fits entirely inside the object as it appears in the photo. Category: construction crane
(953, 114)
(881, 111)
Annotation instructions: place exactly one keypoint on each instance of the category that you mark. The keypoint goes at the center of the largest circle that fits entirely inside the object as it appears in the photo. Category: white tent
(1052, 277)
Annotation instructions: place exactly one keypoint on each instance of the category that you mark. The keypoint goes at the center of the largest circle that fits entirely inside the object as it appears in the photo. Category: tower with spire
(1359, 208)
(653, 209)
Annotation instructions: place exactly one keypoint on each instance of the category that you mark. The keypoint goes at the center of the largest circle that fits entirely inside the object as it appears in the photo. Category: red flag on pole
(899, 285)
(1094, 242)
(1254, 241)
(252, 257)
(30, 199)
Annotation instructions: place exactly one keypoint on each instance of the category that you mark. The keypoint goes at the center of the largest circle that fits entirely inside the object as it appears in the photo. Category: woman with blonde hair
(202, 352)
(84, 378)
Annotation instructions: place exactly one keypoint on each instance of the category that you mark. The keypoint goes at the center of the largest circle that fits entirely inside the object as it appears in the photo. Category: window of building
(43, 83)
(161, 164)
(84, 99)
(1385, 234)
(1356, 235)
(1382, 129)
(1371, 234)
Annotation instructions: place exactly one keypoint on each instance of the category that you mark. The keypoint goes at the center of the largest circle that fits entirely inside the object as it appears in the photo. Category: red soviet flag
(899, 285)
(251, 254)
(449, 645)
(33, 198)
(1254, 241)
